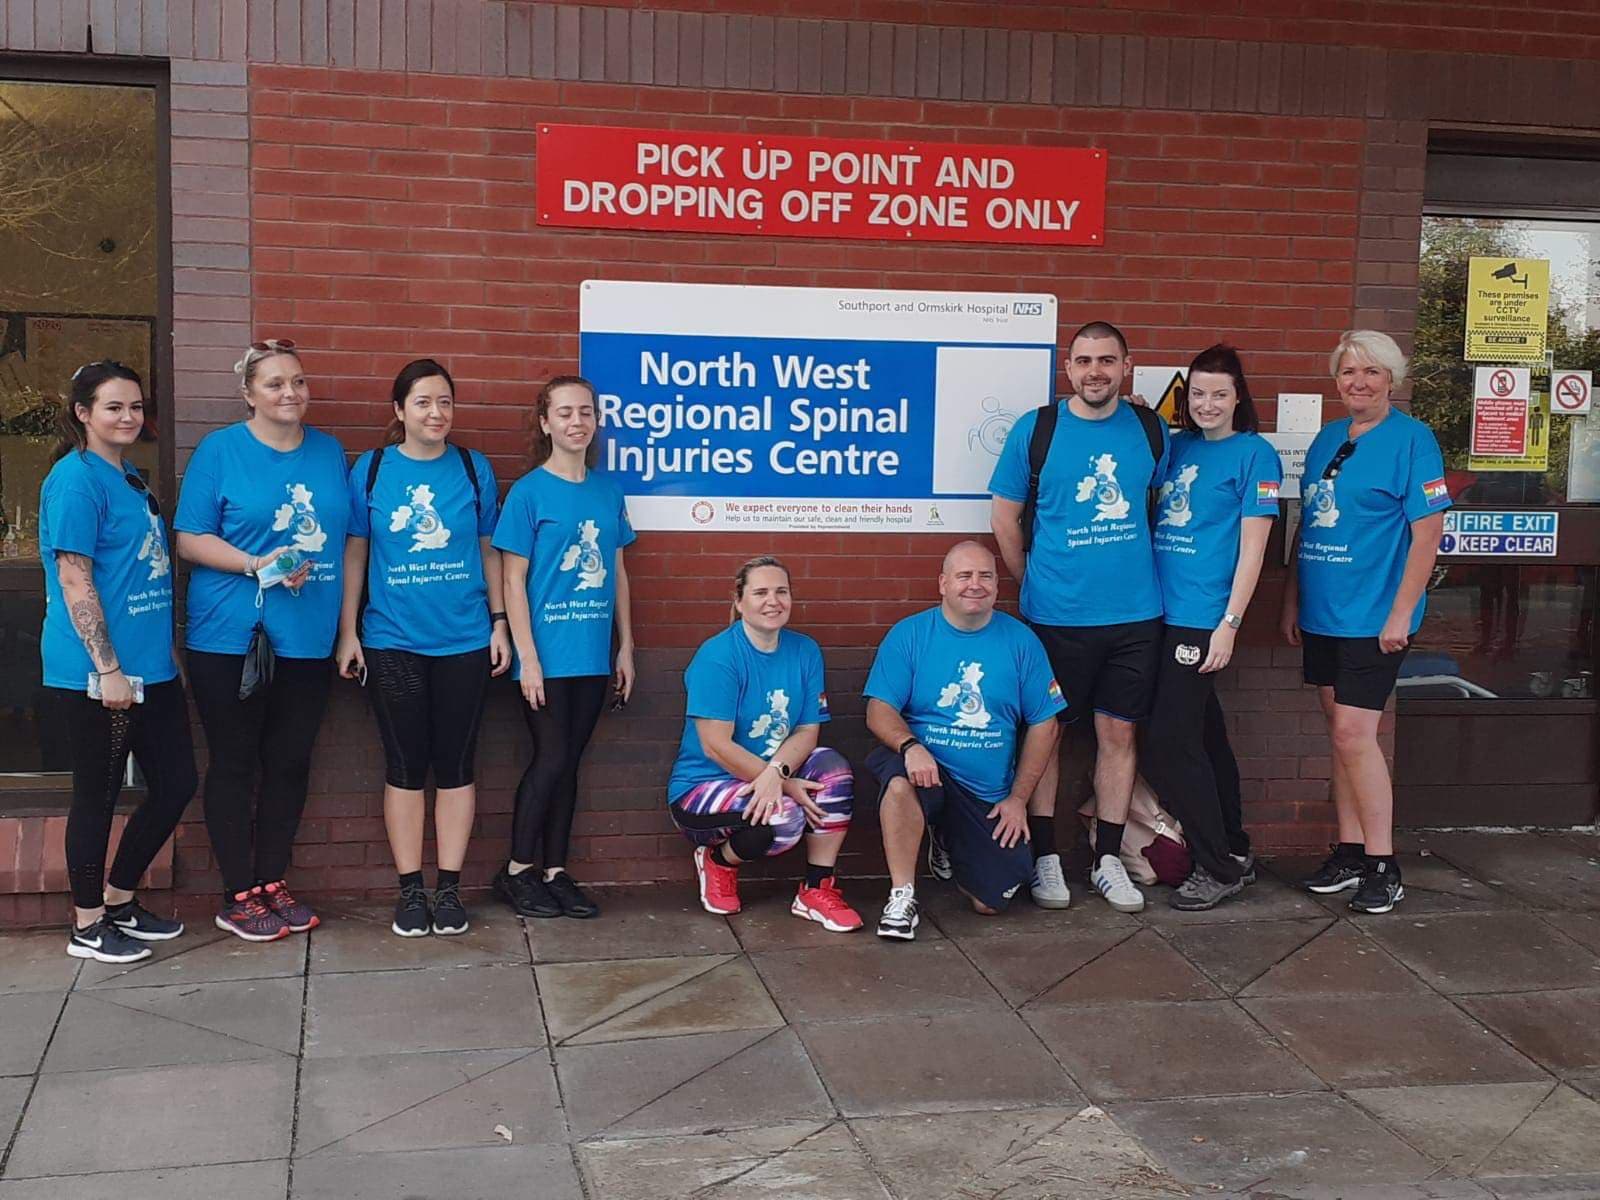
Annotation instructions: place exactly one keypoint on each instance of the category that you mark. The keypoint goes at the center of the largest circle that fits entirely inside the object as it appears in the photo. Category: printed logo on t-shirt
(1267, 491)
(300, 517)
(1054, 692)
(420, 518)
(822, 703)
(966, 698)
(774, 723)
(1435, 490)
(1321, 503)
(154, 548)
(1102, 487)
(1174, 498)
(583, 556)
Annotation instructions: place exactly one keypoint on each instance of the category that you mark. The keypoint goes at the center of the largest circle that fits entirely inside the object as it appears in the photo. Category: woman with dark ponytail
(433, 629)
(108, 661)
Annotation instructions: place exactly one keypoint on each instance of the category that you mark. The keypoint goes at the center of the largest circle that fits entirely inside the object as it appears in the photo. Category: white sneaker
(900, 915)
(1110, 879)
(1048, 887)
(938, 858)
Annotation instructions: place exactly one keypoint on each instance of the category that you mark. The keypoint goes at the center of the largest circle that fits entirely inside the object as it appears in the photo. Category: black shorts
(428, 708)
(1107, 669)
(1359, 672)
(984, 869)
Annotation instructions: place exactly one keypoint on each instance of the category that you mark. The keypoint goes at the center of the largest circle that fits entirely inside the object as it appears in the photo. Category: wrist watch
(908, 743)
(783, 767)
(1232, 619)
(250, 567)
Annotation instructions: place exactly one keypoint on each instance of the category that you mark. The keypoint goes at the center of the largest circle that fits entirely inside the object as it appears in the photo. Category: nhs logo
(1027, 308)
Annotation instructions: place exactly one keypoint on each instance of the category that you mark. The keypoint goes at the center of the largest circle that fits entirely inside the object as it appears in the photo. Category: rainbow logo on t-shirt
(1267, 491)
(822, 703)
(1435, 491)
(1055, 691)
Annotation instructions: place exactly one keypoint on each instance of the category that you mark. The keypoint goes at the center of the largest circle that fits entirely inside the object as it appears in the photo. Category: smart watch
(1232, 619)
(783, 768)
(907, 744)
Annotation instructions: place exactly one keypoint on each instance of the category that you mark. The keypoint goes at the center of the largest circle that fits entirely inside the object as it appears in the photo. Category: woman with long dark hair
(1216, 508)
(264, 503)
(562, 534)
(108, 661)
(433, 629)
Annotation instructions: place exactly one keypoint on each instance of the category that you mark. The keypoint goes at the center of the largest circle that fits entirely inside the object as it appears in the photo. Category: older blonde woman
(1372, 499)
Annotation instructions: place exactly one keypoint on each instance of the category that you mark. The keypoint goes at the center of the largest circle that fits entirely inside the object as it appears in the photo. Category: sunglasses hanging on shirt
(1336, 463)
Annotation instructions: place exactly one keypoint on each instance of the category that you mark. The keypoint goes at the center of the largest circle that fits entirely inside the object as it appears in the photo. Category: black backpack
(1044, 433)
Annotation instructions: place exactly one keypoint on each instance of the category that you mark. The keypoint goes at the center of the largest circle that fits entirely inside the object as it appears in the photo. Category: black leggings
(428, 708)
(1187, 758)
(548, 793)
(252, 834)
(158, 735)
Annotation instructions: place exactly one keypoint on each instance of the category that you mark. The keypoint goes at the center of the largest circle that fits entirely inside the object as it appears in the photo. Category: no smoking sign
(1571, 392)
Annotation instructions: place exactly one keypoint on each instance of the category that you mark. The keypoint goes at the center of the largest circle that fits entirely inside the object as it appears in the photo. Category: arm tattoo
(88, 617)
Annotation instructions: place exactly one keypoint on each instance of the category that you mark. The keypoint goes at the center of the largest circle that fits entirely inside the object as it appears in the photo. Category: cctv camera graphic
(1509, 271)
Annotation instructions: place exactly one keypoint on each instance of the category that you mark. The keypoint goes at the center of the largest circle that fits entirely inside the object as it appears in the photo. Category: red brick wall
(392, 216)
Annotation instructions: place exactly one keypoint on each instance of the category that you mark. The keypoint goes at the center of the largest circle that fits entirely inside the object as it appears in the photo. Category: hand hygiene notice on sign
(775, 186)
(726, 407)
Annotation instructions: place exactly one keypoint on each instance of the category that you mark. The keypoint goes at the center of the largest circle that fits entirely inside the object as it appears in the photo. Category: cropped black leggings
(548, 794)
(272, 733)
(428, 708)
(157, 734)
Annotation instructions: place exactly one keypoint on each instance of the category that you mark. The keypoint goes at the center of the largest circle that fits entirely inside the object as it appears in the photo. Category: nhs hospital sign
(846, 410)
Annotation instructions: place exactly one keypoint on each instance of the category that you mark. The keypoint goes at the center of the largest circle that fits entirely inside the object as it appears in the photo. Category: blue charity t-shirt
(257, 499)
(425, 584)
(87, 506)
(1355, 529)
(1210, 487)
(767, 694)
(966, 695)
(1091, 561)
(570, 534)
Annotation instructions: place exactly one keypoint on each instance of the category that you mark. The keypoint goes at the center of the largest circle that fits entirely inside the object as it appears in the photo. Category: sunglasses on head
(110, 363)
(272, 345)
(137, 483)
(1336, 463)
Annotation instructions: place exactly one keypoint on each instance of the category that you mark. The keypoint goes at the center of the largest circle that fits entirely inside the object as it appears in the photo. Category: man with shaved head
(952, 693)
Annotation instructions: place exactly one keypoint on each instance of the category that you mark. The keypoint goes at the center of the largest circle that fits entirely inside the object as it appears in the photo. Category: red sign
(1499, 426)
(777, 186)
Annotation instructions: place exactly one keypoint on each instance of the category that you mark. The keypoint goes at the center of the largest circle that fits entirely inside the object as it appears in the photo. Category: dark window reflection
(1508, 632)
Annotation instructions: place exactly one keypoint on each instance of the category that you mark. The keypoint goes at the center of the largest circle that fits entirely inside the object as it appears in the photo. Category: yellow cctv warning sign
(1508, 309)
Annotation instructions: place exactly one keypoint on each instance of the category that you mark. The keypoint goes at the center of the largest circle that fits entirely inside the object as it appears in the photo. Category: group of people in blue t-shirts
(1138, 553)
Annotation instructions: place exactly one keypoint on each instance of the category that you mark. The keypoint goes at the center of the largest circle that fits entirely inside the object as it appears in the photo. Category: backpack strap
(1044, 434)
(1151, 420)
(472, 477)
(372, 471)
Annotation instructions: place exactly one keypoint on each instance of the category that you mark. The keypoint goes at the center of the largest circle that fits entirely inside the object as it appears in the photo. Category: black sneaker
(411, 912)
(526, 894)
(1339, 872)
(1380, 889)
(449, 914)
(104, 942)
(571, 897)
(137, 921)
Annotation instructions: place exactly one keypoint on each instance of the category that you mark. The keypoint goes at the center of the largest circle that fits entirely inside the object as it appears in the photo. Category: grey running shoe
(1202, 890)
(1048, 887)
(1247, 867)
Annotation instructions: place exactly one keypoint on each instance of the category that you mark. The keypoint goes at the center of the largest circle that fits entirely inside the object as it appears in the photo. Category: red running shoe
(246, 915)
(825, 905)
(719, 885)
(297, 917)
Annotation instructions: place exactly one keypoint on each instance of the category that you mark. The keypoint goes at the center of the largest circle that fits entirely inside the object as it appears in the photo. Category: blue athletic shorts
(984, 869)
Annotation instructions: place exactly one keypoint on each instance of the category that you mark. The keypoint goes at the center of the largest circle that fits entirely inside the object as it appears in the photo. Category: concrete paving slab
(1341, 961)
(1559, 1030)
(542, 1171)
(791, 1158)
(1438, 1189)
(464, 1008)
(875, 979)
(637, 922)
(1409, 1040)
(1492, 952)
(1582, 927)
(1145, 1051)
(202, 955)
(728, 996)
(946, 1063)
(1545, 1187)
(1234, 955)
(236, 1181)
(1025, 965)
(577, 996)
(602, 1084)
(1561, 1137)
(27, 1019)
(13, 1095)
(1458, 1126)
(37, 962)
(359, 938)
(944, 906)
(1265, 1144)
(427, 1102)
(1545, 870)
(1142, 968)
(154, 1117)
(1268, 899)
